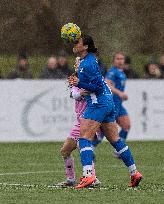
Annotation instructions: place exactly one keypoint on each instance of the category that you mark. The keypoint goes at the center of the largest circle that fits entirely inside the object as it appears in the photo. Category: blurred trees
(128, 25)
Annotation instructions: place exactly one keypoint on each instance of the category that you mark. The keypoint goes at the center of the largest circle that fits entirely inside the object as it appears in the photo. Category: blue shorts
(120, 111)
(104, 114)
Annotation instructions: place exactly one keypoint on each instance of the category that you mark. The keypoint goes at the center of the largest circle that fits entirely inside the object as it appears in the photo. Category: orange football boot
(135, 179)
(86, 181)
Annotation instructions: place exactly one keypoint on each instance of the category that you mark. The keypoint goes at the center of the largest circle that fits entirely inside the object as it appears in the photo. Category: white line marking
(48, 171)
(17, 184)
(26, 173)
(41, 185)
(53, 187)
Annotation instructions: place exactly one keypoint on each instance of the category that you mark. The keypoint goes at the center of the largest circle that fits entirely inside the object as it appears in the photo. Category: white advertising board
(35, 110)
(43, 111)
(146, 109)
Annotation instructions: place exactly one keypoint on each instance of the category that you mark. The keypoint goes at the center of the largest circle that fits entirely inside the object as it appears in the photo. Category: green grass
(41, 157)
(37, 63)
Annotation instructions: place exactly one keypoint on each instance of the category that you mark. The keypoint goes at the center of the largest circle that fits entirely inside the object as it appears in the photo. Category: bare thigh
(124, 122)
(111, 131)
(88, 128)
(67, 148)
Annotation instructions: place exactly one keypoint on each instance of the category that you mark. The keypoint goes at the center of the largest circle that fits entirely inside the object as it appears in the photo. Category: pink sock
(70, 169)
(93, 169)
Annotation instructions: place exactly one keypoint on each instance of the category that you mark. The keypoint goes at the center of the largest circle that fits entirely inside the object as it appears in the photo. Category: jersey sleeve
(111, 75)
(90, 78)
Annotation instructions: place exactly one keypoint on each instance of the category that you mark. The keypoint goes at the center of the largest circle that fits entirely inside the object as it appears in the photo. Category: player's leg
(68, 147)
(110, 129)
(71, 144)
(66, 150)
(123, 121)
(111, 133)
(98, 138)
(88, 127)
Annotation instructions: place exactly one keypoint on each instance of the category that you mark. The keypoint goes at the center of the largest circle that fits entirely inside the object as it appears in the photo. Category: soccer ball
(70, 33)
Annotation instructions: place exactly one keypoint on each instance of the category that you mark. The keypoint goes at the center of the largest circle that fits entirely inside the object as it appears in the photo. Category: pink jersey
(80, 103)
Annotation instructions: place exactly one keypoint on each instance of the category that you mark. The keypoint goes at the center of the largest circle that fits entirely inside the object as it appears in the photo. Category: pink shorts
(75, 132)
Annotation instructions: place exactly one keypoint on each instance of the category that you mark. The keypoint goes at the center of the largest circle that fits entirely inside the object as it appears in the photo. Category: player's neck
(118, 67)
(83, 54)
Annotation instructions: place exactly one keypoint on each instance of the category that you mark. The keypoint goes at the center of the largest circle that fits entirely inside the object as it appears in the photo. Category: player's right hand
(123, 96)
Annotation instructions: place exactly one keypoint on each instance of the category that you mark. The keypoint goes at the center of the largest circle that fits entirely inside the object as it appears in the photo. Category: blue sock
(87, 156)
(123, 134)
(86, 151)
(125, 154)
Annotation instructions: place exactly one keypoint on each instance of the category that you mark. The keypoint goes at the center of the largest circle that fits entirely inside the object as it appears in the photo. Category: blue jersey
(118, 77)
(90, 78)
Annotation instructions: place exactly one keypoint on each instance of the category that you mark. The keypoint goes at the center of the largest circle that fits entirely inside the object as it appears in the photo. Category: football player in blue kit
(116, 80)
(100, 112)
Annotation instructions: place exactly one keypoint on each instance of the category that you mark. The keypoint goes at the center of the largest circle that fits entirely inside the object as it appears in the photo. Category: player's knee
(87, 137)
(65, 153)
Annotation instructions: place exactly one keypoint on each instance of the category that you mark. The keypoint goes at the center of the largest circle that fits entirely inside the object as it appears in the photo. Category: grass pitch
(27, 171)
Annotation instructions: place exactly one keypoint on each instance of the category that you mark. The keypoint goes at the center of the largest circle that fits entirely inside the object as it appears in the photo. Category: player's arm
(113, 89)
(73, 80)
(77, 93)
(94, 79)
(109, 80)
(91, 87)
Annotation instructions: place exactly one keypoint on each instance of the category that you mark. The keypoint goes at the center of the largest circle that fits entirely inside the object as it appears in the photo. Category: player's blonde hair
(117, 53)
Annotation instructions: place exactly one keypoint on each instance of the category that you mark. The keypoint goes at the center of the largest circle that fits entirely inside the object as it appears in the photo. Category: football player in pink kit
(71, 142)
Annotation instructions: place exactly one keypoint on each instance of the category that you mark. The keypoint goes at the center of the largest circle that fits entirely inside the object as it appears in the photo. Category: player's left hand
(73, 80)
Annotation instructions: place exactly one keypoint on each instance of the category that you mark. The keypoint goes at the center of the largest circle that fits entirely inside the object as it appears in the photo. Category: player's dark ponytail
(92, 49)
(87, 40)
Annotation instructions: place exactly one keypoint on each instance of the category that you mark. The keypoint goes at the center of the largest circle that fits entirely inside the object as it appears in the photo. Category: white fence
(43, 110)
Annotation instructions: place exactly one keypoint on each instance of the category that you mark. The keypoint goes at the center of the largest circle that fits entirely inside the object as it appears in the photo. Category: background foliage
(128, 25)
